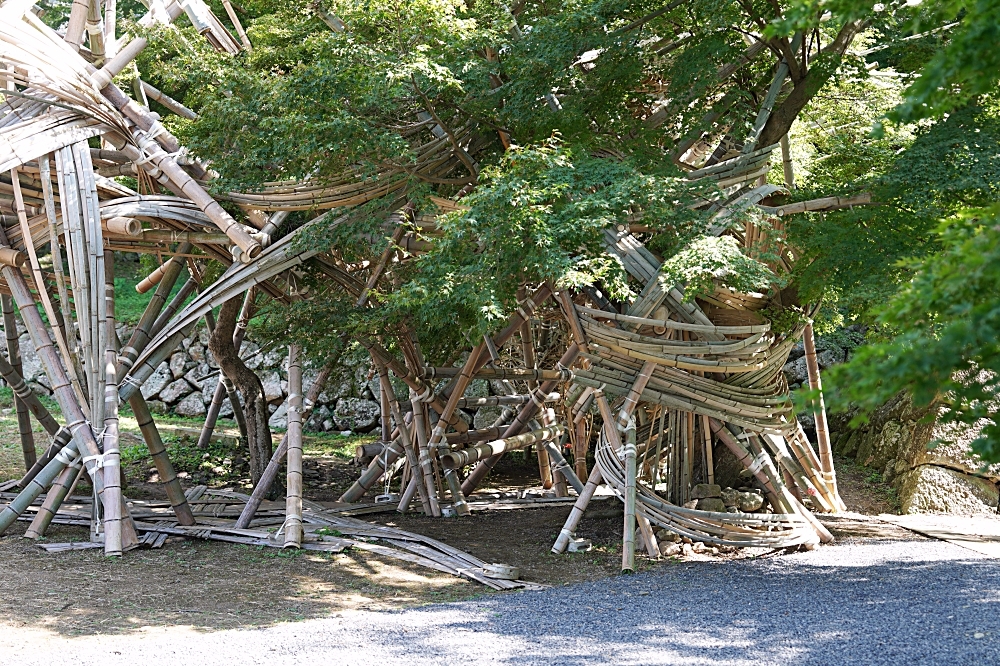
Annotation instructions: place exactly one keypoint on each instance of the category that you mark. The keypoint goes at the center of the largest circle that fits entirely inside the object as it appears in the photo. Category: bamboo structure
(647, 386)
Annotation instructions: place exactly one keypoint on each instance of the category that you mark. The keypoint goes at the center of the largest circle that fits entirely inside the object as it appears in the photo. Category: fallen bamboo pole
(459, 459)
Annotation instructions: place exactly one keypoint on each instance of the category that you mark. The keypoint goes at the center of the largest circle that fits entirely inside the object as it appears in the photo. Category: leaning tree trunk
(247, 383)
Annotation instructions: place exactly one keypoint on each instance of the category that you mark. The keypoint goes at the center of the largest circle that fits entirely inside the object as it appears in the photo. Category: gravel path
(871, 602)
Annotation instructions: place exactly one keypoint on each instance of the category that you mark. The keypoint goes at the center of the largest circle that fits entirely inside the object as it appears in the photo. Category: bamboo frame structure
(649, 386)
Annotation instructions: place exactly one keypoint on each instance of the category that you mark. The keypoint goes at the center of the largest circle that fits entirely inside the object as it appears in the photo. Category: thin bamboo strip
(293, 505)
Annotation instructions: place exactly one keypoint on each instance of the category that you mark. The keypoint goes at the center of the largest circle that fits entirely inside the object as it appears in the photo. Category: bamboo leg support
(628, 535)
(822, 429)
(14, 354)
(57, 493)
(293, 503)
(568, 530)
(164, 468)
(37, 485)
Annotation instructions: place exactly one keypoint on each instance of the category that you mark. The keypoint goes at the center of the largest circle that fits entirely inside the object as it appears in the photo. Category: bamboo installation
(648, 387)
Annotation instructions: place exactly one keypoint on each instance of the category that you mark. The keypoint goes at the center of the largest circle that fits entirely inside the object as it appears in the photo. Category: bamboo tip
(11, 257)
(123, 226)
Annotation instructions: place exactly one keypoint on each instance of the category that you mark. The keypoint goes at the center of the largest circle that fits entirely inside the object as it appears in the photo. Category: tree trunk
(247, 383)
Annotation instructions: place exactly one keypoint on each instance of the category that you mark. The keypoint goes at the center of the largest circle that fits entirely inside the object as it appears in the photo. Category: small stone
(704, 490)
(711, 504)
(698, 547)
(687, 550)
(670, 549)
(730, 497)
(486, 416)
(691, 504)
(192, 405)
(668, 535)
(177, 361)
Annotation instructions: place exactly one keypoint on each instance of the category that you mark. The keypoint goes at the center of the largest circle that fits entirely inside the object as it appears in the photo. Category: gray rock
(711, 504)
(750, 501)
(706, 490)
(203, 335)
(485, 416)
(196, 352)
(730, 497)
(226, 410)
(830, 357)
(31, 366)
(271, 381)
(797, 352)
(356, 414)
(807, 420)
(156, 382)
(498, 387)
(280, 417)
(177, 361)
(196, 375)
(192, 405)
(174, 391)
(670, 549)
(157, 406)
(478, 388)
(796, 372)
(341, 385)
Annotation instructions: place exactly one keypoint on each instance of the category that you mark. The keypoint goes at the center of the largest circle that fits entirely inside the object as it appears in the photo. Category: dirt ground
(212, 585)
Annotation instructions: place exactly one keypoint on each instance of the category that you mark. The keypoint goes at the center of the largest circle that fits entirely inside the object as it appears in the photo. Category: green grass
(129, 304)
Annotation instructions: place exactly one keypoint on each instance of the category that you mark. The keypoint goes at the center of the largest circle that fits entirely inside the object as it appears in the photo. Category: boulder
(226, 410)
(192, 405)
(930, 489)
(706, 490)
(271, 381)
(730, 497)
(31, 366)
(156, 382)
(711, 504)
(478, 388)
(485, 416)
(157, 406)
(196, 375)
(356, 414)
(670, 549)
(177, 361)
(280, 417)
(749, 501)
(196, 352)
(796, 372)
(174, 391)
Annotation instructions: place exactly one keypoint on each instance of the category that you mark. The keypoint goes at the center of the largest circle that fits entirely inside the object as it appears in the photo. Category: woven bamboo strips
(293, 505)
